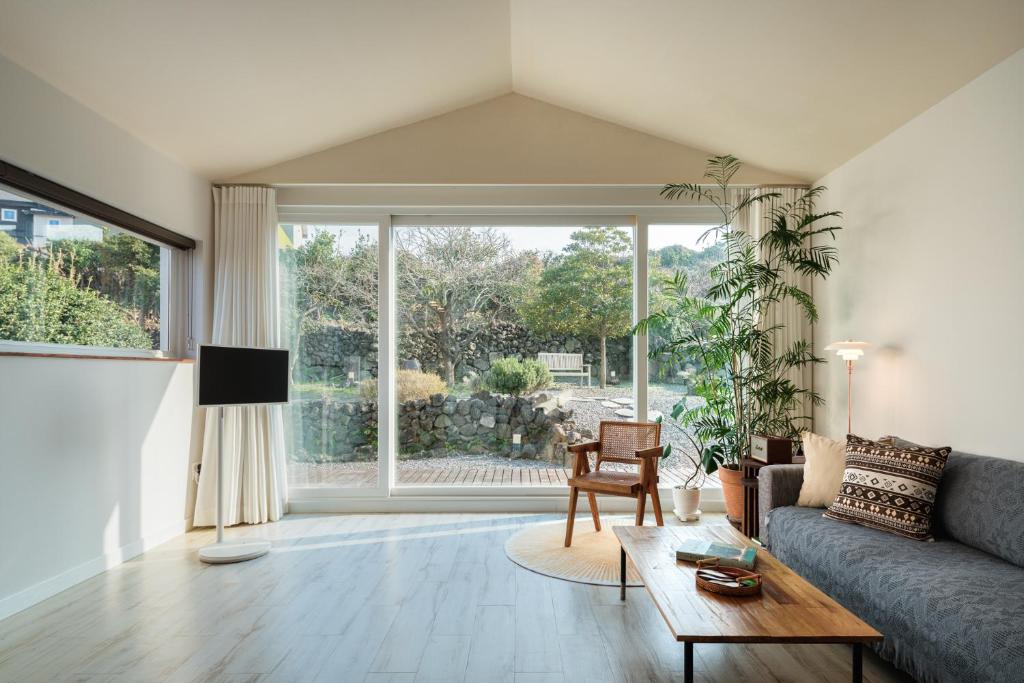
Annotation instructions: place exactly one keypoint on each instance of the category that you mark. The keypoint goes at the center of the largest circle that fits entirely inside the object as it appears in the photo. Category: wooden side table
(749, 524)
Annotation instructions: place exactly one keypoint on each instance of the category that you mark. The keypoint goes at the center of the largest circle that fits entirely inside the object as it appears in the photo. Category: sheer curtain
(245, 313)
(755, 220)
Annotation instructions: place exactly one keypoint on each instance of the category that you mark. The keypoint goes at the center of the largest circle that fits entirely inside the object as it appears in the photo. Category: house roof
(228, 87)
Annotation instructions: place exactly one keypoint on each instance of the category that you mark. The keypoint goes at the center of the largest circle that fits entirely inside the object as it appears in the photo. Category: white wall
(510, 139)
(94, 468)
(94, 455)
(930, 272)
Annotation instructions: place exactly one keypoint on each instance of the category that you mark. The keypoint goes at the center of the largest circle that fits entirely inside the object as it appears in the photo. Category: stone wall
(336, 430)
(333, 352)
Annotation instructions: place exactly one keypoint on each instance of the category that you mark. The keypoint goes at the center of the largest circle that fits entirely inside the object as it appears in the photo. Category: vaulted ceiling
(229, 86)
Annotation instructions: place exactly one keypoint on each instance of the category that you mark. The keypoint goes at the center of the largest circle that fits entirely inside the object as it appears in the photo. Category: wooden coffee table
(788, 610)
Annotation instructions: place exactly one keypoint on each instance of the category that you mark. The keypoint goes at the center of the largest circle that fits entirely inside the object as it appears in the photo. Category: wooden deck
(363, 475)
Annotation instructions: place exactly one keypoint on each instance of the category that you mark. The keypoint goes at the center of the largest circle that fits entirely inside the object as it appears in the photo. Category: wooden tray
(737, 574)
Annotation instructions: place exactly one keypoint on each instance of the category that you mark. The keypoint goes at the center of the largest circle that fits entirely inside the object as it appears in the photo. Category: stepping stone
(609, 404)
(653, 415)
(581, 399)
(623, 401)
(625, 412)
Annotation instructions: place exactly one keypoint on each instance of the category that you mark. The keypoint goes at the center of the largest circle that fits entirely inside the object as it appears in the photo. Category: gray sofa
(951, 610)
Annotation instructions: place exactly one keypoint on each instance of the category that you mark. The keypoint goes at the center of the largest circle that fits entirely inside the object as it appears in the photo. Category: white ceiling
(228, 86)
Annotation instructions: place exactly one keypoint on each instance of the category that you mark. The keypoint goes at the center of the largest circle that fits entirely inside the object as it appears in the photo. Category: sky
(542, 238)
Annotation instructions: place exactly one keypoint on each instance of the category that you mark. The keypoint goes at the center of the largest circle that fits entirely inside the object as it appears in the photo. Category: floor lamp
(849, 351)
(236, 376)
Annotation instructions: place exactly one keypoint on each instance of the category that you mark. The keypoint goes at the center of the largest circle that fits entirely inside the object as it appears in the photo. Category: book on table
(695, 549)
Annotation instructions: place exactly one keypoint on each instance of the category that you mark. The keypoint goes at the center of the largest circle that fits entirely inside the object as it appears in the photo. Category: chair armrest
(653, 452)
(777, 486)
(585, 447)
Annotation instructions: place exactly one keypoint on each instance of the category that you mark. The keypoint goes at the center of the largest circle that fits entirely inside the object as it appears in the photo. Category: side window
(66, 278)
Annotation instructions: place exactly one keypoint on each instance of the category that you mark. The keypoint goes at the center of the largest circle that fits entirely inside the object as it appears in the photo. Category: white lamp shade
(848, 350)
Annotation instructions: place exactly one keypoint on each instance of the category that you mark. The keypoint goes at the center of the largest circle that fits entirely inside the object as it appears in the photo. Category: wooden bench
(566, 365)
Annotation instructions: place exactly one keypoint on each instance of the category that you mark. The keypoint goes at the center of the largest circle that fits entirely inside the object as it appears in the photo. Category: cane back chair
(630, 443)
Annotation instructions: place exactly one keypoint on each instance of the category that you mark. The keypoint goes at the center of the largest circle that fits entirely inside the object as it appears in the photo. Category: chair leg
(573, 495)
(641, 504)
(592, 499)
(656, 503)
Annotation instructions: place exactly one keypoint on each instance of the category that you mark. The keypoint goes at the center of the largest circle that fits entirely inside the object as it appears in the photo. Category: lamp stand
(849, 397)
(225, 552)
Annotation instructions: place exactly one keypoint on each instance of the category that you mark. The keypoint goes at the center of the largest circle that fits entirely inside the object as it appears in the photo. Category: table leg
(622, 573)
(688, 662)
(858, 663)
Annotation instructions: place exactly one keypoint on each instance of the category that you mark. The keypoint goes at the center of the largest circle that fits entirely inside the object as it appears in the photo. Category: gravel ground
(589, 413)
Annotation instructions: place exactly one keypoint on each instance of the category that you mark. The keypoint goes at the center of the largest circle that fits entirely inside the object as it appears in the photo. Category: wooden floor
(301, 474)
(372, 598)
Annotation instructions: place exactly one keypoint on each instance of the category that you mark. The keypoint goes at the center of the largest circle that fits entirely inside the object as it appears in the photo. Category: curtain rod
(279, 186)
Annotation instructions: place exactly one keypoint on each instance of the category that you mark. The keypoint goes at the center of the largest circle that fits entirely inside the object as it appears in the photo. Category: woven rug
(593, 557)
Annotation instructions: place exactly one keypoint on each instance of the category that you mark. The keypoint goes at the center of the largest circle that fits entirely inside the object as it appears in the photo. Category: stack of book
(697, 549)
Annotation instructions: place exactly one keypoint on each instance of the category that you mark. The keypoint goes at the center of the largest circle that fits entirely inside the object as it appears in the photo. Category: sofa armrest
(777, 486)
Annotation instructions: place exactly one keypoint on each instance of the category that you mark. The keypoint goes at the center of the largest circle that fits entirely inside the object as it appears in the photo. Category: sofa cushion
(948, 612)
(823, 470)
(889, 487)
(980, 503)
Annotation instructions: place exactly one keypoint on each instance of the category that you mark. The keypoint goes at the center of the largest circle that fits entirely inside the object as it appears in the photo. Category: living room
(397, 341)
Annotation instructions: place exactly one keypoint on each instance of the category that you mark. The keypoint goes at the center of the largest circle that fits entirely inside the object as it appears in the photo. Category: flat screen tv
(232, 376)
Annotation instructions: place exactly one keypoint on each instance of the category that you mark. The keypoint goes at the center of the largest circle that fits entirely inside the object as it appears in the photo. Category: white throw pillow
(823, 470)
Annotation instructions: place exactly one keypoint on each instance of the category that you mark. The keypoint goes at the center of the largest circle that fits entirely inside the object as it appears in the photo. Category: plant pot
(686, 501)
(732, 491)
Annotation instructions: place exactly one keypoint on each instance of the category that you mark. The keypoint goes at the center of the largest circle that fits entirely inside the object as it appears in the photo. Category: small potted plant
(686, 496)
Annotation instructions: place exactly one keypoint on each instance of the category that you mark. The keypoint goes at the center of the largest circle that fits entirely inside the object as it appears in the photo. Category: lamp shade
(848, 350)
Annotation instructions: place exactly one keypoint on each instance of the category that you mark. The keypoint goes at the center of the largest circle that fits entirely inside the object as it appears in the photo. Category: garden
(476, 308)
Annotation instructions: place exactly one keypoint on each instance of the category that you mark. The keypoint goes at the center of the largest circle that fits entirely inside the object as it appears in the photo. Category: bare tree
(454, 282)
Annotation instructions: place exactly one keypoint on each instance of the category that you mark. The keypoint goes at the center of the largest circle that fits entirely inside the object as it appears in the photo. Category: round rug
(593, 557)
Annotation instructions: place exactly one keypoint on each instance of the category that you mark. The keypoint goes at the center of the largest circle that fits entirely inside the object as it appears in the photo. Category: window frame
(389, 495)
(10, 347)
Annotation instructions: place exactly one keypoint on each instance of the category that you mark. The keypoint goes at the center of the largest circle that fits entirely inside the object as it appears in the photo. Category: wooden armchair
(632, 443)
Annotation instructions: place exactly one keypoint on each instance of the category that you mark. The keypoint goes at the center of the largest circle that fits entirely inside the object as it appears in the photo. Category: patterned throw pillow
(889, 486)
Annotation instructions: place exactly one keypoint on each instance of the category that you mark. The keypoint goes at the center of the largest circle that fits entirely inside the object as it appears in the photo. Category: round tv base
(227, 552)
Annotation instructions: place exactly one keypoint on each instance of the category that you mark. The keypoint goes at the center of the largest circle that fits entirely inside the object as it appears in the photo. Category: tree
(40, 302)
(121, 267)
(453, 283)
(586, 290)
(331, 285)
(745, 380)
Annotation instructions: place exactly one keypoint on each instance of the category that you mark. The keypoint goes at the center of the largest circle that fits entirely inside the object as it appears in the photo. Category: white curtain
(755, 221)
(245, 313)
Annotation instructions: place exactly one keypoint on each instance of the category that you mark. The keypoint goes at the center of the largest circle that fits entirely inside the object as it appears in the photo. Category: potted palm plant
(742, 381)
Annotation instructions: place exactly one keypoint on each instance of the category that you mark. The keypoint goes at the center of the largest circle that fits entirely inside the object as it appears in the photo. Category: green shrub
(512, 376)
(39, 303)
(412, 385)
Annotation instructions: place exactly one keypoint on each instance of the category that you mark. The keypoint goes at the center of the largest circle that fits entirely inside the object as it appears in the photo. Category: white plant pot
(686, 502)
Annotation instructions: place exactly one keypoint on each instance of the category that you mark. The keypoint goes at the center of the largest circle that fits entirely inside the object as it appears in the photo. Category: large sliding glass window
(513, 341)
(691, 251)
(510, 342)
(329, 285)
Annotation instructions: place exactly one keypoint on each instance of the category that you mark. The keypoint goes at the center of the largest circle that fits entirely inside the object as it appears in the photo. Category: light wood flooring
(377, 598)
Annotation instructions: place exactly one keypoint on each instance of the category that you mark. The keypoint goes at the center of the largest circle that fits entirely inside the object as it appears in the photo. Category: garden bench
(566, 365)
